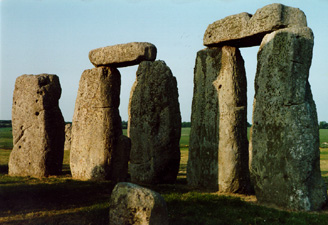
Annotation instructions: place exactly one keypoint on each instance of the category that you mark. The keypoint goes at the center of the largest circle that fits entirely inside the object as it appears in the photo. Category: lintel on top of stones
(245, 30)
(123, 55)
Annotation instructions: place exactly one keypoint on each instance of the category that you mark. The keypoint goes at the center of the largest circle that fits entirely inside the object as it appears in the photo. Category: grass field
(61, 200)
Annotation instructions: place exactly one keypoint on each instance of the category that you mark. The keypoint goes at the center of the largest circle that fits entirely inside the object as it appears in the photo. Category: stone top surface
(123, 55)
(245, 30)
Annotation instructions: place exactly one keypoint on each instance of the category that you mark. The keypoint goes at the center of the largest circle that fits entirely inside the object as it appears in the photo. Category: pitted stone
(38, 127)
(68, 136)
(285, 162)
(123, 55)
(245, 30)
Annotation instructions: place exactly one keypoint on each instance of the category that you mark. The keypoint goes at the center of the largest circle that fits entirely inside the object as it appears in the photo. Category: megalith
(154, 125)
(218, 148)
(133, 204)
(231, 86)
(38, 127)
(68, 136)
(97, 142)
(285, 166)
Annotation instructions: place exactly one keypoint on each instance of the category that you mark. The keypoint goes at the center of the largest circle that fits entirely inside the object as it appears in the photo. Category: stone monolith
(245, 30)
(285, 162)
(154, 125)
(97, 142)
(133, 204)
(38, 127)
(231, 86)
(122, 55)
(68, 136)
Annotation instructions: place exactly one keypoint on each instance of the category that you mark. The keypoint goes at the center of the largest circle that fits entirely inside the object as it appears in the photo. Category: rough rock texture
(202, 169)
(38, 127)
(97, 141)
(285, 166)
(68, 136)
(154, 125)
(233, 143)
(133, 204)
(123, 54)
(244, 30)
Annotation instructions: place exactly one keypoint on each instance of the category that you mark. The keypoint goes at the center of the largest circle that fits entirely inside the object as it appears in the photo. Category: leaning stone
(203, 165)
(154, 125)
(245, 30)
(68, 136)
(123, 55)
(233, 145)
(38, 127)
(133, 204)
(97, 129)
(285, 163)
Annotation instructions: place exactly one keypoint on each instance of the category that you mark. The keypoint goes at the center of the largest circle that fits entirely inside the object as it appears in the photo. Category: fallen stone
(68, 136)
(285, 162)
(154, 125)
(38, 127)
(245, 30)
(97, 130)
(133, 204)
(123, 55)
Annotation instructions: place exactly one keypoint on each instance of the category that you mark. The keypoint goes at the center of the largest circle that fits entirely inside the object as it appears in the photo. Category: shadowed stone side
(133, 204)
(97, 142)
(154, 125)
(233, 144)
(38, 127)
(245, 30)
(285, 163)
(202, 168)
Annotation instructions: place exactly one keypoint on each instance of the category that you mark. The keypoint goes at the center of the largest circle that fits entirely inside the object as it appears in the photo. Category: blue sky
(55, 37)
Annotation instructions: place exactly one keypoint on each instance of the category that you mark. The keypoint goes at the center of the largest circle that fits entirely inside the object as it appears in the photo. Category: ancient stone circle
(281, 163)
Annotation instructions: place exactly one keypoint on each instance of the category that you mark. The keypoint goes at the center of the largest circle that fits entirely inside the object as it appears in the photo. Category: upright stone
(68, 136)
(285, 164)
(203, 166)
(133, 204)
(233, 144)
(122, 55)
(245, 30)
(38, 127)
(97, 142)
(154, 125)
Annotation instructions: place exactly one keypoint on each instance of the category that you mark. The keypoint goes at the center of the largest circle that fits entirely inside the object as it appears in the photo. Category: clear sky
(55, 37)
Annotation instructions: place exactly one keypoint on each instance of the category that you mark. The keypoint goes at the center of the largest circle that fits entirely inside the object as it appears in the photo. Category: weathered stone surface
(97, 131)
(68, 136)
(38, 127)
(133, 204)
(154, 125)
(218, 156)
(244, 30)
(233, 143)
(123, 54)
(285, 166)
(203, 166)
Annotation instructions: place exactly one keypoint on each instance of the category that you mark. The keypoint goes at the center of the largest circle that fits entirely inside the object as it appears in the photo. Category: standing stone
(97, 142)
(285, 164)
(38, 127)
(154, 125)
(233, 144)
(133, 204)
(203, 166)
(123, 54)
(68, 136)
(245, 30)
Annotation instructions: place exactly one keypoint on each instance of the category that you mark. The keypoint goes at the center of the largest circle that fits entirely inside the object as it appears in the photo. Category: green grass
(6, 138)
(323, 138)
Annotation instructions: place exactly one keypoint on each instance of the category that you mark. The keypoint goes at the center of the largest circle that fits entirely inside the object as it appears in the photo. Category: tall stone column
(97, 141)
(38, 127)
(154, 125)
(285, 164)
(233, 145)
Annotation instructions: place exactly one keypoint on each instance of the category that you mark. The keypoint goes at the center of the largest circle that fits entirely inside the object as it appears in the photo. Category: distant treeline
(5, 123)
